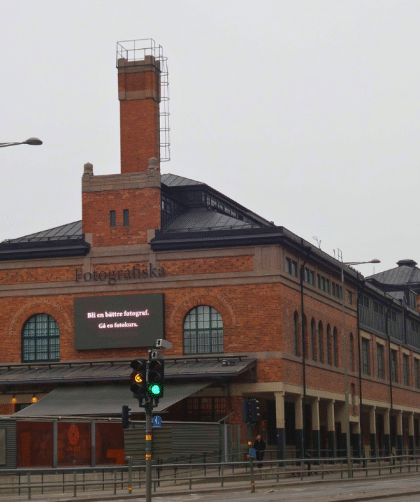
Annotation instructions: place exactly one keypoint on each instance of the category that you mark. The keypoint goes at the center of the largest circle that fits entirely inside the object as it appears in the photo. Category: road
(402, 488)
(319, 492)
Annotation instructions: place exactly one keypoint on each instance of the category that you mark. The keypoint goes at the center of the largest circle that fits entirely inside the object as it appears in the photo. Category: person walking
(259, 446)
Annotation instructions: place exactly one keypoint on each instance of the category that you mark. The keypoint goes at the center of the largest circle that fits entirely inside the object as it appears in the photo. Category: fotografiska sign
(112, 276)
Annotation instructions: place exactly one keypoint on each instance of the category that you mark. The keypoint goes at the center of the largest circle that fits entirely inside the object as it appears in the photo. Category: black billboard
(111, 322)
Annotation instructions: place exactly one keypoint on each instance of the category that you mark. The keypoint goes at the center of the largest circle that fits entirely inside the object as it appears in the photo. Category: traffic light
(250, 411)
(125, 417)
(138, 378)
(254, 410)
(246, 411)
(156, 376)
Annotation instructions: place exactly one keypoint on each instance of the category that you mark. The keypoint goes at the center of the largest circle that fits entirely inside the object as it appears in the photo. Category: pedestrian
(259, 446)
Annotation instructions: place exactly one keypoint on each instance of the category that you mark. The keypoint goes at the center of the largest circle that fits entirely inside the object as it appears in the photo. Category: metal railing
(185, 476)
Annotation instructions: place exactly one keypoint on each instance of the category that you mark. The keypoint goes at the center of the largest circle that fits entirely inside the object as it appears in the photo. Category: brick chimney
(125, 209)
(139, 95)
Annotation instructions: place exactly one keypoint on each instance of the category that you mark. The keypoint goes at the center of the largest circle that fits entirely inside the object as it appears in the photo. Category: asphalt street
(400, 488)
(391, 489)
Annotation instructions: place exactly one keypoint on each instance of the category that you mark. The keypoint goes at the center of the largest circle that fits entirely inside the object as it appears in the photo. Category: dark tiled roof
(172, 180)
(63, 232)
(398, 276)
(204, 219)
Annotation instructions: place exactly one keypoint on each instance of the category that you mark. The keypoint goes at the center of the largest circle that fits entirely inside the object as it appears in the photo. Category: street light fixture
(346, 383)
(29, 141)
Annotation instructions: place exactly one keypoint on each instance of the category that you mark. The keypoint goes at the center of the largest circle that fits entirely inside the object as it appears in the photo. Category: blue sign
(157, 421)
(252, 453)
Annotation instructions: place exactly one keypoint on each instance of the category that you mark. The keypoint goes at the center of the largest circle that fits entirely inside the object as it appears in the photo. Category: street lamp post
(29, 141)
(346, 382)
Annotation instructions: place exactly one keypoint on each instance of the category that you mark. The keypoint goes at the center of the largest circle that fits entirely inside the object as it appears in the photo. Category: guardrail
(189, 475)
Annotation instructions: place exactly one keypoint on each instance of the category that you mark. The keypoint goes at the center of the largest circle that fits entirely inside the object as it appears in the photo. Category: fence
(185, 476)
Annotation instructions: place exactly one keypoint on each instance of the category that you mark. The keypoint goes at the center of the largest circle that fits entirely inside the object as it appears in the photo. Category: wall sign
(118, 321)
(112, 276)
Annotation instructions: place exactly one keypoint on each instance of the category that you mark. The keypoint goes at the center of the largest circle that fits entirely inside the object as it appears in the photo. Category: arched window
(313, 339)
(203, 331)
(305, 337)
(329, 358)
(335, 346)
(320, 342)
(40, 339)
(296, 332)
(351, 351)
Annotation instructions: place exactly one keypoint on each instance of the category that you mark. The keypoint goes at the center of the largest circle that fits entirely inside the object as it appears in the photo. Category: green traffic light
(155, 390)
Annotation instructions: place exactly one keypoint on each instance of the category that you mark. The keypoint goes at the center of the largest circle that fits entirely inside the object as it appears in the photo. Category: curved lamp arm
(29, 141)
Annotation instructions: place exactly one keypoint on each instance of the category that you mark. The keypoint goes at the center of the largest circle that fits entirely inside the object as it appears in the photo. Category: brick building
(252, 310)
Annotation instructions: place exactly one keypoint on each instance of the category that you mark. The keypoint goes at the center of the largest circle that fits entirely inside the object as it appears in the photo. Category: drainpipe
(302, 270)
(359, 354)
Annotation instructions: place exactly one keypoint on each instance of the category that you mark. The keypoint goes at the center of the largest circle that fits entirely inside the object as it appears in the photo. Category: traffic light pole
(148, 410)
(147, 387)
(251, 459)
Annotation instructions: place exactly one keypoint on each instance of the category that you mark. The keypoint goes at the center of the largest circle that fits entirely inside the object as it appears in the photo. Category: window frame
(112, 219)
(320, 342)
(126, 217)
(291, 266)
(380, 351)
(207, 316)
(313, 339)
(365, 357)
(406, 374)
(335, 347)
(296, 333)
(53, 333)
(329, 346)
(394, 366)
(351, 352)
(416, 374)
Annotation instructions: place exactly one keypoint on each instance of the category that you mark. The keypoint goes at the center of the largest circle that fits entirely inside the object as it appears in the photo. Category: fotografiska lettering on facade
(112, 276)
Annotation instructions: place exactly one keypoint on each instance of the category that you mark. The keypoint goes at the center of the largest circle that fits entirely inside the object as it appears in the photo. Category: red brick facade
(260, 300)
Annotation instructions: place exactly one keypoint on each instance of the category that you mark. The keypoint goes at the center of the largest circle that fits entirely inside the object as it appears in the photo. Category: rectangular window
(291, 267)
(309, 276)
(392, 316)
(349, 297)
(378, 309)
(414, 327)
(336, 290)
(112, 218)
(125, 217)
(365, 356)
(323, 283)
(364, 301)
(405, 369)
(380, 358)
(416, 373)
(394, 366)
(410, 299)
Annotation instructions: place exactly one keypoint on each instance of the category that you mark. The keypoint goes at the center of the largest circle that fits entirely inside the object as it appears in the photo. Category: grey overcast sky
(304, 111)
